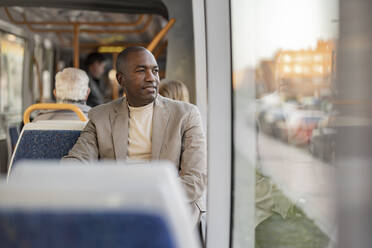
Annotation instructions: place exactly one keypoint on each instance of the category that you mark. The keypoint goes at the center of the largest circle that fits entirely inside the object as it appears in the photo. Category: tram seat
(109, 205)
(98, 229)
(12, 137)
(46, 140)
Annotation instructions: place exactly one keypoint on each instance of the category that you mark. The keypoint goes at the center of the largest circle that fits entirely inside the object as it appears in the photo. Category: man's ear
(120, 78)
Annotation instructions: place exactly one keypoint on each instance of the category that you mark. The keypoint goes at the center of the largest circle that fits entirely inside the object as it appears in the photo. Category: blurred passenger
(174, 89)
(95, 67)
(71, 87)
(146, 126)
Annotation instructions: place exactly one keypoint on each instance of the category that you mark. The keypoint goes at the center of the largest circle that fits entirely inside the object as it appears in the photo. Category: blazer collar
(119, 126)
(119, 120)
(160, 120)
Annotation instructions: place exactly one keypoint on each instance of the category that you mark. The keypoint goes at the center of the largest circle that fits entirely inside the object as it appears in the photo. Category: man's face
(140, 78)
(97, 69)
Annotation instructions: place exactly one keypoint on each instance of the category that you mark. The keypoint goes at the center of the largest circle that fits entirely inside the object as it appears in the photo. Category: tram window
(43, 63)
(48, 71)
(12, 56)
(283, 80)
(37, 61)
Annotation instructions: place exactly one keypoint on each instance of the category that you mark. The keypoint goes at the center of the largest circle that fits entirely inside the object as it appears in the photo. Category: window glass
(42, 67)
(37, 62)
(11, 71)
(47, 71)
(284, 55)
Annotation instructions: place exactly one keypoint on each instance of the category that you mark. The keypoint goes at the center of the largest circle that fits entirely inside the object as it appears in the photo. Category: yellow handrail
(160, 35)
(54, 106)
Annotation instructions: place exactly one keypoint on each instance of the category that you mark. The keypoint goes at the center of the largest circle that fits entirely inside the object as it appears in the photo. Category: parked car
(270, 121)
(322, 143)
(300, 125)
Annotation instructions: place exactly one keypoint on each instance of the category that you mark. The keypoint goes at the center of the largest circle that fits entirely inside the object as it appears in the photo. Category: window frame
(219, 82)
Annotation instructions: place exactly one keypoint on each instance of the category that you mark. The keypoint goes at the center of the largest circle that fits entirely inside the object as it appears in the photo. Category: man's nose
(150, 77)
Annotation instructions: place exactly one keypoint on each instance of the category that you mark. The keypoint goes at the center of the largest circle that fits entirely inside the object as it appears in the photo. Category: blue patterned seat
(46, 141)
(13, 136)
(45, 144)
(38, 229)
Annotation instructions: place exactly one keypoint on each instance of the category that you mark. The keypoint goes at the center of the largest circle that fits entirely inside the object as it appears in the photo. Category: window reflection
(295, 147)
(291, 70)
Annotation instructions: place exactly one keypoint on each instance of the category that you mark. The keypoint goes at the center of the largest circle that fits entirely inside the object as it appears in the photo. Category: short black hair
(94, 57)
(124, 54)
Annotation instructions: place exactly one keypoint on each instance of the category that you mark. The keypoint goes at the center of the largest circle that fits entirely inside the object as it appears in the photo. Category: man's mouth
(150, 88)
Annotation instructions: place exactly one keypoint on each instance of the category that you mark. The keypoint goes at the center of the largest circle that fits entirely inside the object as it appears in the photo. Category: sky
(261, 27)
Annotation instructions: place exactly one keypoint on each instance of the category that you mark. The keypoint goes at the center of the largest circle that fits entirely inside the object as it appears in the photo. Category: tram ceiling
(115, 6)
(128, 21)
(74, 28)
(93, 26)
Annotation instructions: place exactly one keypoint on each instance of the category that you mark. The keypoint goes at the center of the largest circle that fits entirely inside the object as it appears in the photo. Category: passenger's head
(174, 89)
(95, 64)
(71, 85)
(138, 74)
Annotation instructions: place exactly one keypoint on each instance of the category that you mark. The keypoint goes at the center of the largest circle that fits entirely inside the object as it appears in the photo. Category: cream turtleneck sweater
(140, 132)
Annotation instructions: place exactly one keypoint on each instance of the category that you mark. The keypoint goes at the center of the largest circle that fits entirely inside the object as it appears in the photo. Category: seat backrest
(45, 144)
(46, 140)
(60, 229)
(12, 137)
(144, 204)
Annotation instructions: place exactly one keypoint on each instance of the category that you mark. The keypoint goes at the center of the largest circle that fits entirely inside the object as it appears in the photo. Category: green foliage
(295, 231)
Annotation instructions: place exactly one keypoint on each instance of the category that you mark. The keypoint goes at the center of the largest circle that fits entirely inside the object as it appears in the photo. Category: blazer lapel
(119, 126)
(159, 125)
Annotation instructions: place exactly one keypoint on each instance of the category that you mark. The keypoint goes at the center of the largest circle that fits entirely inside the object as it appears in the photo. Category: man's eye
(155, 70)
(141, 70)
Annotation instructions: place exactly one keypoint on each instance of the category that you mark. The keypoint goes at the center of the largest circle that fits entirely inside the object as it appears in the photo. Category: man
(146, 126)
(95, 66)
(71, 87)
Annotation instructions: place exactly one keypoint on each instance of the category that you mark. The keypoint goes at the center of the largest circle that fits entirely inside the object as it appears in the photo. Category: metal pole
(76, 45)
(115, 88)
(160, 35)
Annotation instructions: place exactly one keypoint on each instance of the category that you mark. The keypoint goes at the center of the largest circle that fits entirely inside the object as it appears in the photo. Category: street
(307, 181)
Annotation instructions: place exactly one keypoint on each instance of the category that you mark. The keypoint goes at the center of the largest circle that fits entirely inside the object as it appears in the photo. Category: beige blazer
(177, 136)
